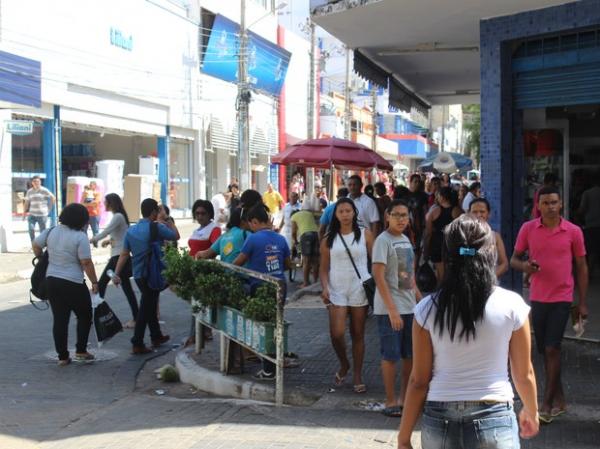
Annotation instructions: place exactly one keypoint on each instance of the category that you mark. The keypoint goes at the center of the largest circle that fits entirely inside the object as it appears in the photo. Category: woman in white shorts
(343, 293)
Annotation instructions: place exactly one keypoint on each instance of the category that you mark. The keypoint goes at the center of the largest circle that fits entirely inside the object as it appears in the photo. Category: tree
(472, 130)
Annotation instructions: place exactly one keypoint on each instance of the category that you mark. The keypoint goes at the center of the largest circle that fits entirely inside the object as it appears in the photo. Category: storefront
(540, 109)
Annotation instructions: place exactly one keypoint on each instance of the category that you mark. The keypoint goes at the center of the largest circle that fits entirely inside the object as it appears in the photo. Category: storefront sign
(267, 63)
(19, 127)
(118, 39)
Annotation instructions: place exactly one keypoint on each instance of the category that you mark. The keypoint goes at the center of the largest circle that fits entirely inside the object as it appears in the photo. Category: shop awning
(20, 81)
(411, 146)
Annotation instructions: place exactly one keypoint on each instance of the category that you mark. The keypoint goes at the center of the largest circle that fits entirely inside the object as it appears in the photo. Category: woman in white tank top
(464, 335)
(343, 293)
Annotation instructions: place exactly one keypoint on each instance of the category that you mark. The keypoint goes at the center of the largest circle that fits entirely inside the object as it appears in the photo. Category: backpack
(154, 262)
(38, 278)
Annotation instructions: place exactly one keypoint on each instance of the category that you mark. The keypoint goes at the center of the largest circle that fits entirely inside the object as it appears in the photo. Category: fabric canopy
(369, 70)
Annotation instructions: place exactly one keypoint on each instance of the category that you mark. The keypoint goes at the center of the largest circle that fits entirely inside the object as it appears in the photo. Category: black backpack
(38, 279)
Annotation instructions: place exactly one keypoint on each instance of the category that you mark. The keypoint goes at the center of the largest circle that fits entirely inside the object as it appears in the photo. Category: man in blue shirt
(328, 213)
(137, 243)
(267, 252)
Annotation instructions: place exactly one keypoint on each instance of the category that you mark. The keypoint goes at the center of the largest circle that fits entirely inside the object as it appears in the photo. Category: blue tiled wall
(501, 149)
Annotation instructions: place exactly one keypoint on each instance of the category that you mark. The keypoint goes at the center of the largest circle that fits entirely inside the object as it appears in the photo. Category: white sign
(19, 127)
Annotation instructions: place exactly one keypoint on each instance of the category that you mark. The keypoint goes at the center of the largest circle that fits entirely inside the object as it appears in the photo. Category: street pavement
(117, 402)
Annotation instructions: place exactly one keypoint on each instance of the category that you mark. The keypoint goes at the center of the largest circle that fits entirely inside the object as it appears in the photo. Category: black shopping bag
(106, 323)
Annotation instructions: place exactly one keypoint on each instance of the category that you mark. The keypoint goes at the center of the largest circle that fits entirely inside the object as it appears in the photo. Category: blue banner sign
(20, 80)
(267, 63)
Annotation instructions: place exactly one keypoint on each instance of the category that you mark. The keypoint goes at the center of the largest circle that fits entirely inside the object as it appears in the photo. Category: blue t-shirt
(230, 244)
(266, 251)
(137, 240)
(327, 215)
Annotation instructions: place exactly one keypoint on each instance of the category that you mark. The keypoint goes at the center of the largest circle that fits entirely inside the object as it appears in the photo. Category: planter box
(259, 336)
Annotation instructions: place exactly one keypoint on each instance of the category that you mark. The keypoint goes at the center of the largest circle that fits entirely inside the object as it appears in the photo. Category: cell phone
(535, 265)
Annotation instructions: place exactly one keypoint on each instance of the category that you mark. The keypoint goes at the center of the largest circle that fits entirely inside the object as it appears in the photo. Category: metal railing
(279, 328)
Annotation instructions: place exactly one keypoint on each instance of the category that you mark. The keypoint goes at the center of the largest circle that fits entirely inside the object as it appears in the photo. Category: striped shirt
(38, 201)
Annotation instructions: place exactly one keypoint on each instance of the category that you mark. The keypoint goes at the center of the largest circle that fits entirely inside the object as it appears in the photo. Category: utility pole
(374, 117)
(443, 128)
(310, 125)
(243, 105)
(347, 108)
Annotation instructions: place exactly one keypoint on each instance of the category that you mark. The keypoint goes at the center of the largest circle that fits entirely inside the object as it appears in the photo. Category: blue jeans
(32, 220)
(94, 222)
(469, 424)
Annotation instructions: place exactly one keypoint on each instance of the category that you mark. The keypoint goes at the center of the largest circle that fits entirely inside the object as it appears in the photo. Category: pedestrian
(553, 244)
(221, 208)
(368, 215)
(208, 232)
(69, 257)
(38, 203)
(445, 180)
(116, 229)
(264, 251)
(474, 191)
(417, 203)
(306, 232)
(285, 225)
(463, 190)
(480, 208)
(395, 298)
(137, 245)
(229, 245)
(91, 199)
(345, 246)
(383, 201)
(434, 185)
(464, 336)
(273, 200)
(370, 191)
(589, 211)
(440, 215)
(328, 213)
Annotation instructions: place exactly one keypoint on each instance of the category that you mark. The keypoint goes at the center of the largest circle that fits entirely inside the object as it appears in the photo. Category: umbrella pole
(331, 181)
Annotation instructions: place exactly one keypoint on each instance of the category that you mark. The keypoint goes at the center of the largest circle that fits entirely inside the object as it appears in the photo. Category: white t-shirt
(220, 207)
(467, 201)
(367, 210)
(474, 370)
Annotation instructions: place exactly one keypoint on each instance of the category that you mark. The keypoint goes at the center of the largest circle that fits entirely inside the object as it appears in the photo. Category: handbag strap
(349, 255)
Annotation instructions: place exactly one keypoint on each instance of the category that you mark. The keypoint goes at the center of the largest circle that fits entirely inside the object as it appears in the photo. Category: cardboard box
(137, 188)
(156, 191)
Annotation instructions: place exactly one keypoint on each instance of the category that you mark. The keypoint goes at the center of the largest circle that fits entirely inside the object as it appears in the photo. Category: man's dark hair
(248, 200)
(379, 188)
(260, 212)
(343, 192)
(548, 191)
(36, 177)
(235, 219)
(413, 176)
(206, 205)
(356, 178)
(74, 216)
(396, 203)
(401, 192)
(149, 205)
(476, 185)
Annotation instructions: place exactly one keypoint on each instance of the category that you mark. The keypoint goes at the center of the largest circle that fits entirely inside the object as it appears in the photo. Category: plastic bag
(106, 323)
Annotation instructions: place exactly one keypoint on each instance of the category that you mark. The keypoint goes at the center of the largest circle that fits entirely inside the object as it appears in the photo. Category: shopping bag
(106, 323)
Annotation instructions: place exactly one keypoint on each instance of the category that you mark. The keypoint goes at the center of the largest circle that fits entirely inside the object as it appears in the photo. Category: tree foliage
(472, 130)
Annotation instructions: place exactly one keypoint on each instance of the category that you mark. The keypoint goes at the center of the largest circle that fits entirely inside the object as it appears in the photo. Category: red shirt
(203, 237)
(553, 249)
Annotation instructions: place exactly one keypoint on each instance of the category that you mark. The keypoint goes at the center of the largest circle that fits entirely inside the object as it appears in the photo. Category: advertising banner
(267, 63)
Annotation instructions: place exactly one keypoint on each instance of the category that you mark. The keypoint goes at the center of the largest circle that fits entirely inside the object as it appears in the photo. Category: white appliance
(149, 166)
(110, 171)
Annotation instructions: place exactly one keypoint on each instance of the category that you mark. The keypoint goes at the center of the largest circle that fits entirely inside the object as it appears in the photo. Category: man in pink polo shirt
(553, 243)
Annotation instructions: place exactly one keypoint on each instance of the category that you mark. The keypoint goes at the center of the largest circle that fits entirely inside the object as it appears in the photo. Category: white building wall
(296, 86)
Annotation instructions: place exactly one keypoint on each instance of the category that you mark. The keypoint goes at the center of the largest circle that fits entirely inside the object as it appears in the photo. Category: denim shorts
(549, 320)
(395, 345)
(469, 424)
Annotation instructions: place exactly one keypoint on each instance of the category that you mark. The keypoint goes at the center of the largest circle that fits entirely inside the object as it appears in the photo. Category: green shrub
(218, 289)
(263, 305)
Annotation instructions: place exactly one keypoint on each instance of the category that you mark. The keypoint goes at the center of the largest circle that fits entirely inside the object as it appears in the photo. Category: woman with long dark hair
(343, 293)
(469, 330)
(116, 229)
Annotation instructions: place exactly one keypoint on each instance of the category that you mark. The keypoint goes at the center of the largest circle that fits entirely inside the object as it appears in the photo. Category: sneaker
(263, 375)
(64, 362)
(156, 342)
(84, 357)
(140, 350)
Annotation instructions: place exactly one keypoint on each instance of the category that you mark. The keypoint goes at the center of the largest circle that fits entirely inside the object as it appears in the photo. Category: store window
(180, 186)
(27, 161)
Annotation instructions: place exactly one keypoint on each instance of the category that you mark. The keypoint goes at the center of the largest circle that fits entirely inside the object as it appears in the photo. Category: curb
(313, 289)
(214, 382)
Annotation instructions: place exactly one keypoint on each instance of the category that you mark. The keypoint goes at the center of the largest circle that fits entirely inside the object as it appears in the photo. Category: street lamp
(243, 99)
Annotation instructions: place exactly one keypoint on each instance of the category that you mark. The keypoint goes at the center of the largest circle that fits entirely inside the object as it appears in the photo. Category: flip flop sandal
(546, 418)
(360, 388)
(339, 380)
(394, 411)
(555, 412)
